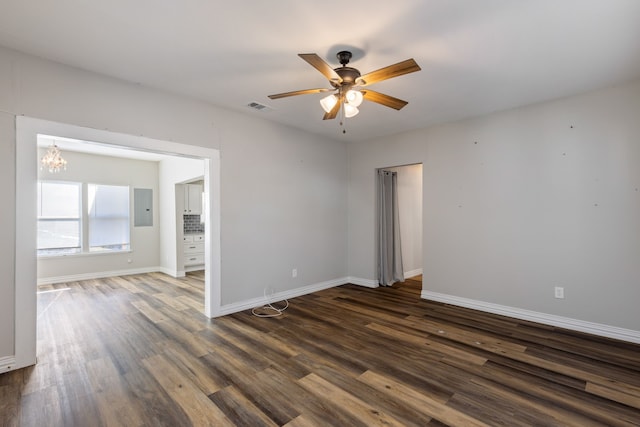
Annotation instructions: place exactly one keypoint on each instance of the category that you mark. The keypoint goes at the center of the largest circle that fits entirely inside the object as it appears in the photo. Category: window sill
(84, 254)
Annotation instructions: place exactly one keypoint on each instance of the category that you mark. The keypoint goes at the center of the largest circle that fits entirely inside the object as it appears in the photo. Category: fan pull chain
(343, 120)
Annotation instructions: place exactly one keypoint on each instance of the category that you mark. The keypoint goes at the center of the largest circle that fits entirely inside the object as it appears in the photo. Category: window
(59, 220)
(108, 214)
(62, 227)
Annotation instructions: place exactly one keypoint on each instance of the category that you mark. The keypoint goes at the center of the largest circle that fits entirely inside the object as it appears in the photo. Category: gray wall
(521, 201)
(283, 191)
(286, 201)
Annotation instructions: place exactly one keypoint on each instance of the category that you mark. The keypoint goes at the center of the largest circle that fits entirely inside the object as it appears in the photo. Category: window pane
(55, 234)
(58, 200)
(108, 217)
(58, 218)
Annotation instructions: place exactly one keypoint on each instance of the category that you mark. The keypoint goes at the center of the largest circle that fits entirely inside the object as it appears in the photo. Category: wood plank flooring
(136, 351)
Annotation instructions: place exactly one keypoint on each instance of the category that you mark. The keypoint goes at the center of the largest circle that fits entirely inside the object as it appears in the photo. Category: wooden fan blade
(319, 64)
(334, 111)
(395, 70)
(298, 92)
(381, 98)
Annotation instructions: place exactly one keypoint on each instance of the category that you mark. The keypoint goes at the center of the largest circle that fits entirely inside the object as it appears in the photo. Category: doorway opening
(27, 131)
(409, 218)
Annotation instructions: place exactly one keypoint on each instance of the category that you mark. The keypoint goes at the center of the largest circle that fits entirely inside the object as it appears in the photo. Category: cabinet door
(194, 195)
(185, 195)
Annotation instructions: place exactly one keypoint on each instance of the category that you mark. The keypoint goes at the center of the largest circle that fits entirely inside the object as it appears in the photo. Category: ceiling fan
(347, 81)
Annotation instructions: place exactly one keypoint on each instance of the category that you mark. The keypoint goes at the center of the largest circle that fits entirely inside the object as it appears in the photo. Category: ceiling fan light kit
(350, 110)
(347, 83)
(328, 102)
(354, 97)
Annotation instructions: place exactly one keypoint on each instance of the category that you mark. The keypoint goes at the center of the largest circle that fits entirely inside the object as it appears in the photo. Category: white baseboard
(362, 282)
(7, 363)
(96, 275)
(534, 316)
(280, 296)
(412, 273)
(170, 272)
(369, 283)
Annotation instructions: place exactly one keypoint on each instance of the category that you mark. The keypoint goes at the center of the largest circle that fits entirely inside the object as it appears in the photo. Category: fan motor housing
(348, 76)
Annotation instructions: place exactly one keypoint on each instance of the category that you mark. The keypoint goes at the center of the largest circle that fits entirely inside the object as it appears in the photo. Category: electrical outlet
(559, 292)
(294, 272)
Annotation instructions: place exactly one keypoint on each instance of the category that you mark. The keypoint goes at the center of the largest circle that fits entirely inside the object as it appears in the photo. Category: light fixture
(52, 160)
(354, 97)
(350, 110)
(328, 102)
(352, 100)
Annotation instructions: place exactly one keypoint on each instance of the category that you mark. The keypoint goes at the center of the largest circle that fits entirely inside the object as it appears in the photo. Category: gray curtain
(389, 252)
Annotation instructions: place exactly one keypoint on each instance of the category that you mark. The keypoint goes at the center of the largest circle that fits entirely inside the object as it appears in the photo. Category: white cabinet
(192, 199)
(193, 251)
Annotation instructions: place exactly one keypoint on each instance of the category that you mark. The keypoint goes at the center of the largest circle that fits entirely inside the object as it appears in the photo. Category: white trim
(412, 273)
(534, 316)
(96, 275)
(212, 245)
(7, 363)
(280, 296)
(362, 282)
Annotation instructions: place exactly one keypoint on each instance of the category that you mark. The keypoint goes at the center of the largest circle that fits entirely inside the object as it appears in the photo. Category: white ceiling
(477, 56)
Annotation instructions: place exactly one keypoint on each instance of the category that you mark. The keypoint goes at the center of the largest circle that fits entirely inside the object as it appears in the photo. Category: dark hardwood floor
(136, 351)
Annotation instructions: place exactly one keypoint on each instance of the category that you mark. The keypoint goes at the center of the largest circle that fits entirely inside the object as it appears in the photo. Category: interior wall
(521, 201)
(145, 241)
(287, 204)
(7, 235)
(410, 216)
(283, 202)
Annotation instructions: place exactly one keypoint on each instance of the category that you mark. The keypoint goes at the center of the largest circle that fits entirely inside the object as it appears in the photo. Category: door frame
(27, 130)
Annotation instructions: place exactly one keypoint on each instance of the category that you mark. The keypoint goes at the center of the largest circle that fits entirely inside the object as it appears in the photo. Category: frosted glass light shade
(328, 103)
(350, 110)
(354, 97)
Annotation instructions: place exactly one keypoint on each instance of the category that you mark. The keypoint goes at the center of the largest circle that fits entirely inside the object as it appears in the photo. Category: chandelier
(53, 161)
